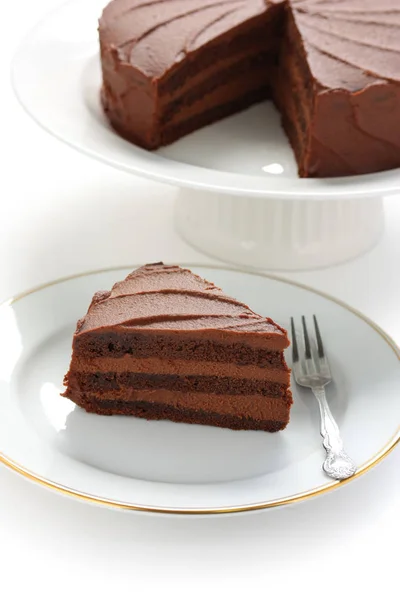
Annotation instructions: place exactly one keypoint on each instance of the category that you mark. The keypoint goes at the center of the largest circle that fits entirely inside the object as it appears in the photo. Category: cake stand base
(278, 234)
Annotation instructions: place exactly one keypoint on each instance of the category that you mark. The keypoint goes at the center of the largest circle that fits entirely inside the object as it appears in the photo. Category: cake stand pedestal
(270, 234)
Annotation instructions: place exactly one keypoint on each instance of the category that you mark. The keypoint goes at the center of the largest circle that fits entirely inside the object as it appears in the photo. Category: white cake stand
(239, 198)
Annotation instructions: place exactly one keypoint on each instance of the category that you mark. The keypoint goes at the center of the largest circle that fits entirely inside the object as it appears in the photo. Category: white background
(61, 213)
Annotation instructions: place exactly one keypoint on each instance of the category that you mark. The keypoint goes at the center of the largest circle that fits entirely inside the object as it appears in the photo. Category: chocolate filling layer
(180, 367)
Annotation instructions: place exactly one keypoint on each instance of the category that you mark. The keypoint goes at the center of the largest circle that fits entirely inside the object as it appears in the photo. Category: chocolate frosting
(154, 35)
(350, 43)
(167, 297)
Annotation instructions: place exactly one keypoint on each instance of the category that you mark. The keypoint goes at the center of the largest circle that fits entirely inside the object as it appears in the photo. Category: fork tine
(295, 348)
(320, 345)
(307, 345)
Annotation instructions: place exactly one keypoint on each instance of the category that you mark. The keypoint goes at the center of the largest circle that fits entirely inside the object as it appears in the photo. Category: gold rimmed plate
(134, 464)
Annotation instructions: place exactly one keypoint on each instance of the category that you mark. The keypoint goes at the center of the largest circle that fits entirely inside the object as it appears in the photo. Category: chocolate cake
(166, 344)
(332, 68)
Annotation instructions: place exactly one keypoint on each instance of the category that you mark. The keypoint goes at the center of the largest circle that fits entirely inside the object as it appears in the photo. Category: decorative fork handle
(338, 464)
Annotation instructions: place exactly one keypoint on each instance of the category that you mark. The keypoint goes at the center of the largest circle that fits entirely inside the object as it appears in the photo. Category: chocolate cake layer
(111, 344)
(159, 412)
(220, 329)
(332, 66)
(153, 338)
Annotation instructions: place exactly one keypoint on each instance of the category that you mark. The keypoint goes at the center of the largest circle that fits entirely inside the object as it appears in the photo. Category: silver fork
(312, 370)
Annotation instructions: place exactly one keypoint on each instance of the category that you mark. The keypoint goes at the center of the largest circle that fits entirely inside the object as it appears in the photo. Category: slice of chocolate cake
(166, 344)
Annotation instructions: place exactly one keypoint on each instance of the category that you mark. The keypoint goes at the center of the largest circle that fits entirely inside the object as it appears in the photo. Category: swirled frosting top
(349, 43)
(168, 297)
(153, 35)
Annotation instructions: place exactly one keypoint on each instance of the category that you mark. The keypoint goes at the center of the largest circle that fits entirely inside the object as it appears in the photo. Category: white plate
(56, 77)
(165, 467)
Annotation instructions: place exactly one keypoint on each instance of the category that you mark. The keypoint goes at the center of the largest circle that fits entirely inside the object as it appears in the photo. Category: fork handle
(338, 464)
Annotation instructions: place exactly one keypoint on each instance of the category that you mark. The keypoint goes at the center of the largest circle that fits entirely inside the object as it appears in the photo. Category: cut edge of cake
(168, 74)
